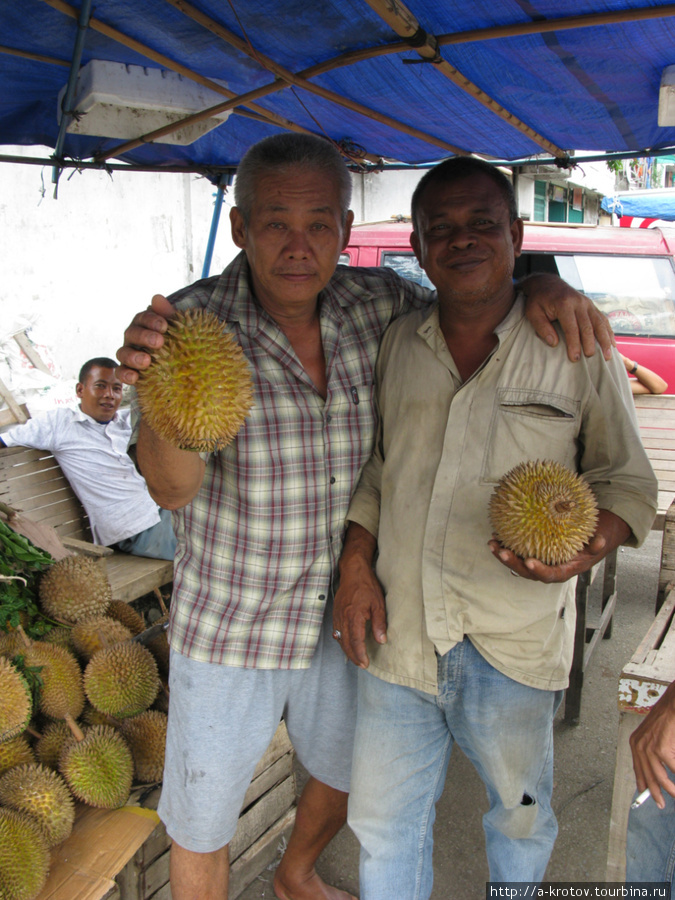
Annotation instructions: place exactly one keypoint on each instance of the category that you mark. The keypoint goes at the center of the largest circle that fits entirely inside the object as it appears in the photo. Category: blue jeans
(404, 738)
(157, 542)
(650, 842)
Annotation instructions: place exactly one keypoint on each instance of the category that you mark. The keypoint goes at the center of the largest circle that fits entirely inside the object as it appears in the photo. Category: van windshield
(407, 267)
(637, 293)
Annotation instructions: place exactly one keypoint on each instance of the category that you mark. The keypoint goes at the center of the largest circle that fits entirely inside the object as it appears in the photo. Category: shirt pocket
(529, 424)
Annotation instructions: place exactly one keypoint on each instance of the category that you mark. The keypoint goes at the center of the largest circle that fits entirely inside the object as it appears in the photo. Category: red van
(628, 272)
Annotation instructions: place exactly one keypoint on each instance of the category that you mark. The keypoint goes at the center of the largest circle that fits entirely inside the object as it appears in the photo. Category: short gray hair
(285, 151)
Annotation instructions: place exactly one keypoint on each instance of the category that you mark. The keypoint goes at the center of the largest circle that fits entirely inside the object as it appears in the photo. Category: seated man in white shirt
(90, 445)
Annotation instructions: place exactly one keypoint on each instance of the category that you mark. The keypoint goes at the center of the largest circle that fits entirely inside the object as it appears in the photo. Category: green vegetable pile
(21, 564)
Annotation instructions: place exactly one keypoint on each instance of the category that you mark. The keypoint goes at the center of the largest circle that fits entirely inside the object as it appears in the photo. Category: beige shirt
(442, 446)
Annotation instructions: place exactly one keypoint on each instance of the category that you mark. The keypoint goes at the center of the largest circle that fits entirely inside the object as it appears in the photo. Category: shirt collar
(83, 417)
(431, 322)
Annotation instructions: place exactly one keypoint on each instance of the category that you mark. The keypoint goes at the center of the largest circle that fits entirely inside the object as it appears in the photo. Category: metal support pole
(66, 105)
(223, 183)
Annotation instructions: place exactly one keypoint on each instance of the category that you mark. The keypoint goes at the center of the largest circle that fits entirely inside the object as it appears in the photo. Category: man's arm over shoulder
(383, 287)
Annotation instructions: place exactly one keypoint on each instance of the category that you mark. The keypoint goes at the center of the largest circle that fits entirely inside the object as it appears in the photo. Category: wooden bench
(642, 682)
(32, 482)
(656, 418)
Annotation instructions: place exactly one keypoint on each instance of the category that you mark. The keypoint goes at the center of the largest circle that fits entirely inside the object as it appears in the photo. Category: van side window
(637, 293)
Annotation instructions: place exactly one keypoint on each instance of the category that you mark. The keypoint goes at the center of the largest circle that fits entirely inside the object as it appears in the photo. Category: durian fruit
(159, 647)
(197, 391)
(61, 635)
(74, 588)
(99, 768)
(127, 615)
(50, 744)
(42, 793)
(94, 634)
(161, 703)
(24, 856)
(93, 716)
(17, 752)
(122, 681)
(11, 643)
(16, 703)
(61, 693)
(146, 736)
(543, 510)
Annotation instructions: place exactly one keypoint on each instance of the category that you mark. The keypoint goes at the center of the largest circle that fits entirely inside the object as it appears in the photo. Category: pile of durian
(82, 716)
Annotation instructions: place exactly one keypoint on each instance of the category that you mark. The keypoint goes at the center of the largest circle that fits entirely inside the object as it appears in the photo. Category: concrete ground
(584, 770)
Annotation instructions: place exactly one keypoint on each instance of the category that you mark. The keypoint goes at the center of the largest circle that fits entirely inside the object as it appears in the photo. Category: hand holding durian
(546, 522)
(194, 387)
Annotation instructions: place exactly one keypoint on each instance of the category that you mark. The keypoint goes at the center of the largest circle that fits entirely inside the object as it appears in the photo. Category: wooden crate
(266, 819)
(124, 854)
(656, 418)
(643, 680)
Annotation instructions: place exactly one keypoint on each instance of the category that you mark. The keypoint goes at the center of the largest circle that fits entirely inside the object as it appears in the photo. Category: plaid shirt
(258, 546)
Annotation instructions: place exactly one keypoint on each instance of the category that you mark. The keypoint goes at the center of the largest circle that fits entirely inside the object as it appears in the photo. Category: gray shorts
(221, 720)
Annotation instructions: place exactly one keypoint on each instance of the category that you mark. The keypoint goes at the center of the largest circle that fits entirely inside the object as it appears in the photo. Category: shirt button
(322, 596)
(328, 417)
(332, 480)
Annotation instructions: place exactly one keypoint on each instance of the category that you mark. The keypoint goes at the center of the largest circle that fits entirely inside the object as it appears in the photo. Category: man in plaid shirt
(260, 524)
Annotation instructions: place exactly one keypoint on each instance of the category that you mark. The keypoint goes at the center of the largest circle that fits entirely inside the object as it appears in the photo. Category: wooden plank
(258, 818)
(260, 854)
(663, 460)
(622, 794)
(274, 774)
(662, 457)
(652, 667)
(278, 747)
(654, 401)
(667, 569)
(7, 416)
(30, 351)
(85, 548)
(132, 576)
(46, 479)
(657, 418)
(14, 408)
(154, 877)
(20, 461)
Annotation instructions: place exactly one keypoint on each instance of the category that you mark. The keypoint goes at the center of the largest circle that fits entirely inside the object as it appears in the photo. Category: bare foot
(312, 888)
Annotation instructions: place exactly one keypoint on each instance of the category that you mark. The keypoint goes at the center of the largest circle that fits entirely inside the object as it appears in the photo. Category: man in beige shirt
(458, 649)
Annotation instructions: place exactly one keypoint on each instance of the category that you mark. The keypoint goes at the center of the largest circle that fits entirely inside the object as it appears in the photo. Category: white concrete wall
(378, 195)
(83, 264)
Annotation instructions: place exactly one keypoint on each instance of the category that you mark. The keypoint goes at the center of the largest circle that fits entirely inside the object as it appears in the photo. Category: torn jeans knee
(516, 821)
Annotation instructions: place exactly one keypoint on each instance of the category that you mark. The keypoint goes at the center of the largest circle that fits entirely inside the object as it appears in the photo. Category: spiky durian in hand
(543, 510)
(197, 391)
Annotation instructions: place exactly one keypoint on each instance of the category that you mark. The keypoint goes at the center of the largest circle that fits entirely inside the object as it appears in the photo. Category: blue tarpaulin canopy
(652, 204)
(412, 82)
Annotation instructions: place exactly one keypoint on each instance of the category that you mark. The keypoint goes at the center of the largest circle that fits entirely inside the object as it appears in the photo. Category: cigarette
(640, 799)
